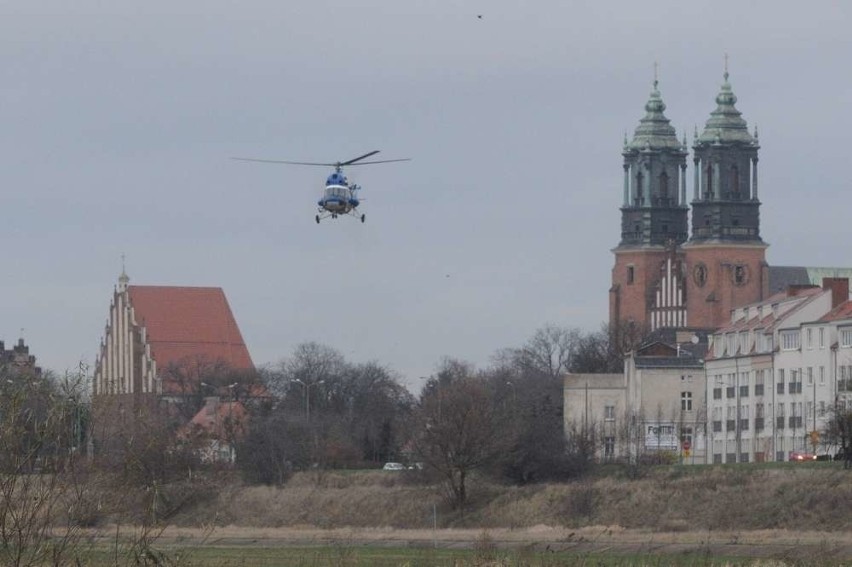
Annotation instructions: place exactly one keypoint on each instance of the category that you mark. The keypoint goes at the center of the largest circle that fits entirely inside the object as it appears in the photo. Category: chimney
(839, 288)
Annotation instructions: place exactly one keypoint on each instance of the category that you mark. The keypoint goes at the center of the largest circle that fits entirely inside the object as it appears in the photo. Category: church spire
(654, 209)
(123, 279)
(725, 154)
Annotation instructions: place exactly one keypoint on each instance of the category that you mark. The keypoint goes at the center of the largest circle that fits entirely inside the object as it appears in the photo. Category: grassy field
(342, 555)
(772, 514)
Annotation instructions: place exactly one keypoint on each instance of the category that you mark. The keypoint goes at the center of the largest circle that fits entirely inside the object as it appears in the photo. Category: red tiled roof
(842, 311)
(189, 323)
(219, 419)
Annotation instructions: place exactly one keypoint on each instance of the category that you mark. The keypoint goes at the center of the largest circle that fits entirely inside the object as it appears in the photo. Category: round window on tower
(699, 274)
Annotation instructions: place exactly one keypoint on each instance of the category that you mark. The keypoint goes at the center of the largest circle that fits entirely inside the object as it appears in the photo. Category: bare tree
(839, 432)
(603, 351)
(41, 486)
(456, 428)
(549, 352)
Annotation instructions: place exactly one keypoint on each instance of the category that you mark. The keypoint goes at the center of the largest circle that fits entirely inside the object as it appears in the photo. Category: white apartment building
(776, 371)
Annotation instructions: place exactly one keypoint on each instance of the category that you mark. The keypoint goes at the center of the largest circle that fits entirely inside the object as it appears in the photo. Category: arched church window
(639, 188)
(735, 182)
(708, 190)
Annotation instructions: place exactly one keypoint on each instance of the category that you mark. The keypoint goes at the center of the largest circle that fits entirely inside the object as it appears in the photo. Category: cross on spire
(726, 67)
(656, 71)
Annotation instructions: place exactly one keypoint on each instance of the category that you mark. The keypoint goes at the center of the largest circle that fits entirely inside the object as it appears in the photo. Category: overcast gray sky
(118, 119)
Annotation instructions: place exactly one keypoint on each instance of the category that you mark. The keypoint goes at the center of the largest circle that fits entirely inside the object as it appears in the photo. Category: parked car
(800, 457)
(840, 456)
(393, 467)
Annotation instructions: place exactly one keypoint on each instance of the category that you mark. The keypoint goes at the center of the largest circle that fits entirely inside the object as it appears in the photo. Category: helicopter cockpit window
(336, 192)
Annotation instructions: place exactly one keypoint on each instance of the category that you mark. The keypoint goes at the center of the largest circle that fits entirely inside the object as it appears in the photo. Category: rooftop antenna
(726, 67)
(656, 70)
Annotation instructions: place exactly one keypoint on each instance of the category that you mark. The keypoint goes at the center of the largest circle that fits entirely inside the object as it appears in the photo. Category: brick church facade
(166, 352)
(665, 274)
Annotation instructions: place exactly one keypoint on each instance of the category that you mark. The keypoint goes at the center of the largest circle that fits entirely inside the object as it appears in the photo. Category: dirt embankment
(666, 499)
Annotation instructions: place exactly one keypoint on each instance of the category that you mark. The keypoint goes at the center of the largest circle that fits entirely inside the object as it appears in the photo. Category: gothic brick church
(666, 275)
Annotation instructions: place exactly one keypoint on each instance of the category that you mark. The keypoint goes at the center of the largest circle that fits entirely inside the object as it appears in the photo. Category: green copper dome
(726, 124)
(654, 131)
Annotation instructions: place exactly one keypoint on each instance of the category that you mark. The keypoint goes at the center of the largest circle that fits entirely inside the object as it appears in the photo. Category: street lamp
(307, 388)
(437, 391)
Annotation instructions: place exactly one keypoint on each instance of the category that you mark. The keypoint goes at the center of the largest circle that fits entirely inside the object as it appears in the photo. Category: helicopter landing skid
(352, 213)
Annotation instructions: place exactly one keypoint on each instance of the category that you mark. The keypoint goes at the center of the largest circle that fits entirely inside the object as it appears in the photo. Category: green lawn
(351, 556)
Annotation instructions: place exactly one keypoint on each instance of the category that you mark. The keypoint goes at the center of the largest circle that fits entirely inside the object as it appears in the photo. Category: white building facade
(653, 412)
(775, 373)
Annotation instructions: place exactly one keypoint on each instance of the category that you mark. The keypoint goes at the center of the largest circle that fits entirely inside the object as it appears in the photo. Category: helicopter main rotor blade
(379, 161)
(353, 160)
(282, 161)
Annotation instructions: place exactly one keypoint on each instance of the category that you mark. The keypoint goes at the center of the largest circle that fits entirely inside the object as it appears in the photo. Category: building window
(699, 274)
(846, 337)
(732, 343)
(744, 342)
(709, 180)
(609, 413)
(630, 274)
(795, 385)
(790, 340)
(640, 193)
(609, 447)
(821, 337)
(717, 393)
(809, 334)
(686, 401)
(822, 375)
(740, 275)
(810, 376)
(735, 182)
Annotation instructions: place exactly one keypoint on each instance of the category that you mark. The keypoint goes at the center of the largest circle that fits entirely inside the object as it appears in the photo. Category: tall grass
(664, 499)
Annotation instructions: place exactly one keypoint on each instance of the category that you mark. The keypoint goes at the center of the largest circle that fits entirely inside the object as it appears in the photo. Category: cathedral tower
(725, 255)
(647, 280)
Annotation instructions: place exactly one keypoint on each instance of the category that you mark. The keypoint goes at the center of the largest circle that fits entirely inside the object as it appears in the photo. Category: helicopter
(340, 196)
